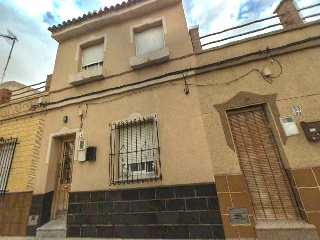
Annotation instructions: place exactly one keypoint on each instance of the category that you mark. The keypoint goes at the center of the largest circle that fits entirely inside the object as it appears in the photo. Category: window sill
(140, 177)
(151, 58)
(86, 76)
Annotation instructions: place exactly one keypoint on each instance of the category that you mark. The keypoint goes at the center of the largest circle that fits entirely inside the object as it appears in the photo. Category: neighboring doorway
(261, 164)
(64, 178)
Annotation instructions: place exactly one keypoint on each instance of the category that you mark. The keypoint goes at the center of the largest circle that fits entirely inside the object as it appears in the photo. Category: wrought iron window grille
(7, 149)
(134, 151)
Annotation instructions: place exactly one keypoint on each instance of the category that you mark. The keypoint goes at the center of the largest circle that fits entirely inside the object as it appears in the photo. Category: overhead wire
(219, 63)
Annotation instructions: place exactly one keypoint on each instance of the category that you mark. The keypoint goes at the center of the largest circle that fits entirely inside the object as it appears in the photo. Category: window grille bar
(158, 151)
(7, 149)
(134, 151)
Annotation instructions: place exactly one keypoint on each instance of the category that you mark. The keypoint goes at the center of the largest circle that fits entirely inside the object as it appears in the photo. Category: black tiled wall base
(41, 206)
(164, 212)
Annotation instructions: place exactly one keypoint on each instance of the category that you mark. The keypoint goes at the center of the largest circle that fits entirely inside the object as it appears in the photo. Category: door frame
(56, 194)
(247, 99)
(54, 146)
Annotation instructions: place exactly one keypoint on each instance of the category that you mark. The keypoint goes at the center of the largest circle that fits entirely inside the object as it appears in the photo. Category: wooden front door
(64, 177)
(261, 164)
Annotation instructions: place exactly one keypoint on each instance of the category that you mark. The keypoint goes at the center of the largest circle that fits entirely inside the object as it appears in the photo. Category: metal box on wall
(311, 130)
(91, 153)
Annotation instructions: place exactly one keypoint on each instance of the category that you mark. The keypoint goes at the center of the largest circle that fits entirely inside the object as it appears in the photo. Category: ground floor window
(7, 148)
(134, 150)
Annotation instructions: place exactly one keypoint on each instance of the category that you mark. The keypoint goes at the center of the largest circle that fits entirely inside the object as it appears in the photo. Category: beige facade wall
(179, 122)
(296, 86)
(119, 50)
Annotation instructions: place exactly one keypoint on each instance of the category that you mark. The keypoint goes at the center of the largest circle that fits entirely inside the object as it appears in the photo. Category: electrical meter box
(311, 130)
(82, 150)
(289, 126)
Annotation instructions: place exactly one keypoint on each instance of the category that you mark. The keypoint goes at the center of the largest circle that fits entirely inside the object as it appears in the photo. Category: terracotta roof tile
(96, 13)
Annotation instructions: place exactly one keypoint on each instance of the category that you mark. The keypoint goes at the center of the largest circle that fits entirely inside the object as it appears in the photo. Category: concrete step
(53, 229)
(286, 229)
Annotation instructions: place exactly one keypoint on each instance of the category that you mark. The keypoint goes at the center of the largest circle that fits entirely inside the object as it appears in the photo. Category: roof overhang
(97, 22)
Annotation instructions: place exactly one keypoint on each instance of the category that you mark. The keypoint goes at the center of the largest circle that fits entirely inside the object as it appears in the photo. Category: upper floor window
(149, 40)
(7, 148)
(134, 150)
(89, 58)
(92, 56)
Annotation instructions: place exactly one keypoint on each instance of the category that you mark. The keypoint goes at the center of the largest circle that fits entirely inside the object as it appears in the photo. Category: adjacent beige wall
(298, 85)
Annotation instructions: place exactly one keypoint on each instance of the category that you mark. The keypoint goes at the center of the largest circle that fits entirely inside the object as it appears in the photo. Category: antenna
(8, 37)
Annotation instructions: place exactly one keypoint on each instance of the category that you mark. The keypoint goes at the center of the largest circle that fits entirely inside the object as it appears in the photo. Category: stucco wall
(119, 49)
(297, 85)
(183, 146)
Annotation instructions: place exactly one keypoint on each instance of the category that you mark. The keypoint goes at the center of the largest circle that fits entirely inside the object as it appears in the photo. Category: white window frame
(145, 26)
(92, 40)
(131, 148)
(92, 50)
(149, 36)
(126, 149)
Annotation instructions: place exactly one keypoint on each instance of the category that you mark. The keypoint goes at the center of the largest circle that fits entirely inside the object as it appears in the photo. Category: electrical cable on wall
(186, 89)
(193, 69)
(267, 50)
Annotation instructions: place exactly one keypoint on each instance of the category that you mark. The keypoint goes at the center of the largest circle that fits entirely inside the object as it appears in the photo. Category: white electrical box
(82, 144)
(82, 150)
(289, 126)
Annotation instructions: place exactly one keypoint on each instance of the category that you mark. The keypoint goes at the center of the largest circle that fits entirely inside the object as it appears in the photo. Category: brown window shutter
(261, 165)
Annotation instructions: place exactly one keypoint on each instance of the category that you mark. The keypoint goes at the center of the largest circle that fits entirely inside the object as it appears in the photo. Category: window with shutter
(7, 148)
(261, 164)
(92, 56)
(134, 150)
(149, 40)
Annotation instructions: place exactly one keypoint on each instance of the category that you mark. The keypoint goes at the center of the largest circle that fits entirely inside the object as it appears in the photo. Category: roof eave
(97, 22)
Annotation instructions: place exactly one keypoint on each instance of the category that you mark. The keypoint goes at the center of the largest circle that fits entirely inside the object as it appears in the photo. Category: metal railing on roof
(264, 25)
(308, 8)
(28, 91)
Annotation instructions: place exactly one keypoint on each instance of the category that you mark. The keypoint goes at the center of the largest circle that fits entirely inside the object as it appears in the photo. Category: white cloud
(68, 10)
(33, 56)
(34, 7)
(34, 53)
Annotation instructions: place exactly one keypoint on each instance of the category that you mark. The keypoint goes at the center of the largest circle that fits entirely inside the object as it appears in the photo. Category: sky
(33, 56)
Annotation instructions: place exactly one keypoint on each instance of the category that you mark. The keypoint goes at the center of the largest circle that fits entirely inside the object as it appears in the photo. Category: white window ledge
(138, 177)
(150, 58)
(86, 76)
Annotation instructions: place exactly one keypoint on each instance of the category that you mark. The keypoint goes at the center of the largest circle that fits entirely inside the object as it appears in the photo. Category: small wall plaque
(33, 220)
(238, 216)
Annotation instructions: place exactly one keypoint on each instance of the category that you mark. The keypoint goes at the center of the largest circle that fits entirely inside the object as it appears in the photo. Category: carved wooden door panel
(64, 177)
